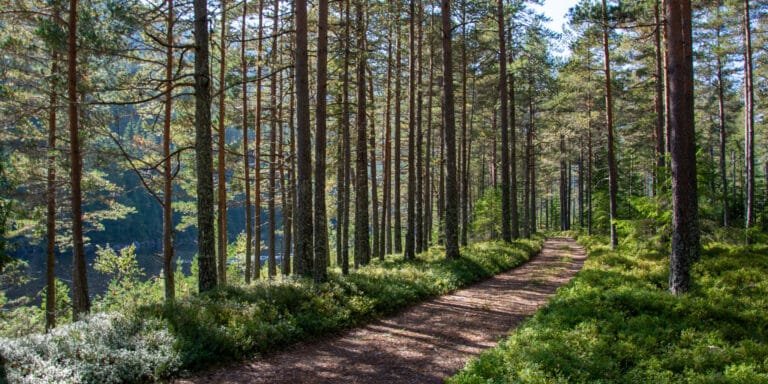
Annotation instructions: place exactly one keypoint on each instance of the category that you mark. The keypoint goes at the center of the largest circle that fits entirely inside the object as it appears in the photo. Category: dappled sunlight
(429, 341)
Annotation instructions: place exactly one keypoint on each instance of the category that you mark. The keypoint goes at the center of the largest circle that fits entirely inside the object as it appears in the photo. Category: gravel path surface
(425, 343)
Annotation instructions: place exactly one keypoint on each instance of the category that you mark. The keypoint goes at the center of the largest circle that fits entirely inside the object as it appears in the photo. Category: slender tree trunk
(80, 300)
(569, 194)
(50, 192)
(494, 153)
(563, 188)
(531, 163)
(347, 140)
(281, 168)
(303, 215)
(514, 216)
(463, 198)
(273, 127)
(441, 187)
(581, 184)
(410, 246)
(222, 159)
(612, 171)
(290, 203)
(372, 163)
(321, 224)
(665, 65)
(526, 181)
(589, 147)
(398, 141)
(203, 151)
(685, 223)
(721, 126)
(428, 160)
(749, 122)
(451, 184)
(467, 169)
(658, 99)
(385, 245)
(419, 219)
(257, 149)
(506, 214)
(168, 268)
(362, 233)
(246, 149)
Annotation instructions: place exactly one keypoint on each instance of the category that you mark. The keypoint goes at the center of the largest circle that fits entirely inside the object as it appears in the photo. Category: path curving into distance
(426, 342)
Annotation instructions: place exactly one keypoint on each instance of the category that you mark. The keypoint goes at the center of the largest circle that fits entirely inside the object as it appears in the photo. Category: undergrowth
(615, 322)
(233, 323)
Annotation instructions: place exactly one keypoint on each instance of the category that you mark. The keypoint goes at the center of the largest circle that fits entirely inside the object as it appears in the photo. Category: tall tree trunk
(581, 184)
(467, 169)
(451, 182)
(563, 188)
(398, 141)
(385, 245)
(569, 194)
(685, 223)
(665, 65)
(321, 224)
(281, 166)
(246, 149)
(80, 300)
(506, 219)
(589, 177)
(410, 246)
(303, 215)
(531, 163)
(50, 192)
(362, 234)
(658, 99)
(222, 151)
(441, 187)
(257, 149)
(419, 219)
(203, 151)
(372, 163)
(168, 269)
(463, 198)
(721, 125)
(346, 151)
(291, 188)
(526, 181)
(273, 127)
(514, 216)
(612, 171)
(428, 160)
(749, 122)
(589, 146)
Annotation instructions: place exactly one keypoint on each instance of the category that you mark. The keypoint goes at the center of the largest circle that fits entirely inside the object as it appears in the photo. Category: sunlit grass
(616, 323)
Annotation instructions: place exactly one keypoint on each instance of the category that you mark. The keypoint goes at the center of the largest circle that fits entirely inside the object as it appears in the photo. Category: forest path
(425, 343)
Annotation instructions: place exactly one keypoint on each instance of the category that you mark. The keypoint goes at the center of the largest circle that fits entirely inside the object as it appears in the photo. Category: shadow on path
(425, 343)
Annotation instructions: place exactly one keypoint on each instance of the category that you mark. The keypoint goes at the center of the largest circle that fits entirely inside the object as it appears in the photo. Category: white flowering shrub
(105, 348)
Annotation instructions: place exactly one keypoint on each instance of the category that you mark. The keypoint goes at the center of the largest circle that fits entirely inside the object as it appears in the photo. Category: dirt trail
(425, 343)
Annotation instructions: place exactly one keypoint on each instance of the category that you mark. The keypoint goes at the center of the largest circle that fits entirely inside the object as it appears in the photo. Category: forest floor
(426, 342)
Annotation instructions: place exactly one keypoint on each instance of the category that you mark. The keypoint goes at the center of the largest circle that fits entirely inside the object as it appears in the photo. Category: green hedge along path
(426, 342)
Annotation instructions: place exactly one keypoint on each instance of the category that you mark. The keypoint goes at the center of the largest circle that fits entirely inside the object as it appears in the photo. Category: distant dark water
(148, 256)
(149, 259)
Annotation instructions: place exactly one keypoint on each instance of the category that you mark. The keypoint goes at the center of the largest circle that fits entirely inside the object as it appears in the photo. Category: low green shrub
(235, 322)
(616, 323)
(105, 348)
(155, 341)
